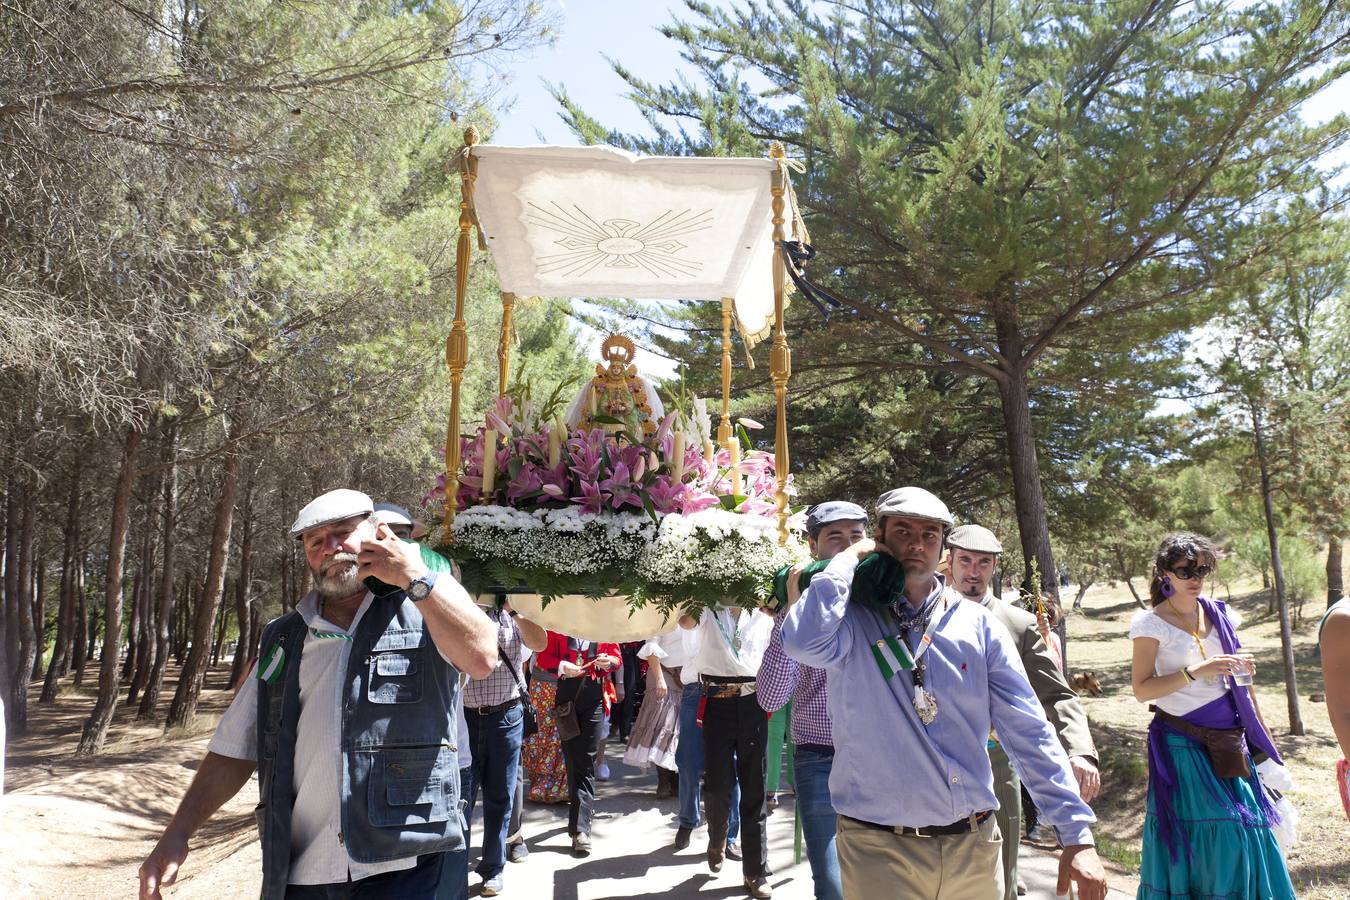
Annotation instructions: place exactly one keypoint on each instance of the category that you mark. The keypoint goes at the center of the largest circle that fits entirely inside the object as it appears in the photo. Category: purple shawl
(1233, 709)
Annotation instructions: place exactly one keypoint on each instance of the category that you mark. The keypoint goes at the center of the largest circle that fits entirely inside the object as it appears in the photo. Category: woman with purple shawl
(1207, 833)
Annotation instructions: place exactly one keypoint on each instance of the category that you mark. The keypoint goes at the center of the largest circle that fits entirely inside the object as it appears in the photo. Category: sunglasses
(1186, 573)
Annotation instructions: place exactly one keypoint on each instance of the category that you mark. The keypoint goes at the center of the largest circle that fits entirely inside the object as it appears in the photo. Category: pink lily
(526, 482)
(499, 416)
(756, 507)
(591, 499)
(666, 496)
(696, 500)
(554, 481)
(619, 486)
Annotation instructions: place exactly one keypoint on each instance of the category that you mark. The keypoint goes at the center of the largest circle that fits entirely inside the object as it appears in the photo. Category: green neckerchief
(780, 580)
(878, 582)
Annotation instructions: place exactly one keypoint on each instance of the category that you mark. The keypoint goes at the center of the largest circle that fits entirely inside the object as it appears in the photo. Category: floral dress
(541, 754)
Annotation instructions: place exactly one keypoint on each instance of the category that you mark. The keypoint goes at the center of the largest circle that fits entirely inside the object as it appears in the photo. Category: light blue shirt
(891, 769)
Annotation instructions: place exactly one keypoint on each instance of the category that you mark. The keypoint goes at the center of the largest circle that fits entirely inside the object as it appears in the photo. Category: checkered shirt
(782, 678)
(499, 686)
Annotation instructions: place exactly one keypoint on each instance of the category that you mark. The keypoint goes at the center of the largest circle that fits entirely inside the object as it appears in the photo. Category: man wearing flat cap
(831, 527)
(916, 678)
(349, 718)
(973, 555)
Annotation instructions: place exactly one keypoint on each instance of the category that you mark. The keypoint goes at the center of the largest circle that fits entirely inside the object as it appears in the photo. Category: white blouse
(1176, 650)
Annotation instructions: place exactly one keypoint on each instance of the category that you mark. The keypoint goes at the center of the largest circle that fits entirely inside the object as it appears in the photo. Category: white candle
(489, 461)
(677, 463)
(709, 451)
(591, 400)
(735, 466)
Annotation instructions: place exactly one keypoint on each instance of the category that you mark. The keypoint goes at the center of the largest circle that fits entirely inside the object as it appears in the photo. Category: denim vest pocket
(413, 786)
(395, 670)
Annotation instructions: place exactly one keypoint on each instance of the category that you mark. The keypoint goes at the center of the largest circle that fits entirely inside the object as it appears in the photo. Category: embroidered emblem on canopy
(602, 222)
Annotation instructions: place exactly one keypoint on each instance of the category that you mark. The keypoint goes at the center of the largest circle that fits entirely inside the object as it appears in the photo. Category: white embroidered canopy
(603, 222)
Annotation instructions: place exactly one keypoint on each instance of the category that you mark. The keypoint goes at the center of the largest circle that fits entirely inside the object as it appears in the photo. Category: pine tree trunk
(184, 706)
(96, 728)
(16, 709)
(1028, 498)
(1335, 568)
(39, 612)
(1277, 569)
(9, 610)
(222, 627)
(1082, 592)
(133, 625)
(144, 602)
(165, 598)
(65, 615)
(242, 611)
(79, 650)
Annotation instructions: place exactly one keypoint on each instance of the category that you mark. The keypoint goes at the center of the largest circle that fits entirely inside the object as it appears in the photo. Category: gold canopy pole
(504, 344)
(724, 427)
(457, 344)
(780, 357)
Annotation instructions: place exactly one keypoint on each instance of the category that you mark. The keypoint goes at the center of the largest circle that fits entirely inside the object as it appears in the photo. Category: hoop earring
(1167, 589)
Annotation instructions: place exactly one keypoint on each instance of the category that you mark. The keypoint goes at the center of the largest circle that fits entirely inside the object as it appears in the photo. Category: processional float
(612, 511)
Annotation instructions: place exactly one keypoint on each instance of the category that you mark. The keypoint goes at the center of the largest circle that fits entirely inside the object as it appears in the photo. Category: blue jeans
(495, 740)
(818, 819)
(421, 882)
(455, 870)
(689, 761)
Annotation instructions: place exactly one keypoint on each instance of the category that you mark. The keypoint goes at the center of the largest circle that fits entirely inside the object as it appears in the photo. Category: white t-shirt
(732, 642)
(691, 639)
(1176, 650)
(317, 856)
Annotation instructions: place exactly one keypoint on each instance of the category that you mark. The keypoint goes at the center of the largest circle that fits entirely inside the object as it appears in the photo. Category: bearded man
(349, 718)
(973, 558)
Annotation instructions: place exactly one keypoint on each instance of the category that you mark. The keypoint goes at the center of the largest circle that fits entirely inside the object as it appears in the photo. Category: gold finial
(776, 150)
(470, 136)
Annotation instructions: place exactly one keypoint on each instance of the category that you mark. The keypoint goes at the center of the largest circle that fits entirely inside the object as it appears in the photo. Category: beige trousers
(1008, 790)
(879, 865)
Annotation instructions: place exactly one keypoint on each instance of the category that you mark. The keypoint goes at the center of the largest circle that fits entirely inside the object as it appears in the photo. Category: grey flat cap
(822, 514)
(915, 503)
(975, 538)
(333, 506)
(392, 514)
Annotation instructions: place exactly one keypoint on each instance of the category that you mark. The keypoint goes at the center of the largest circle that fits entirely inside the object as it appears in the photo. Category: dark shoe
(581, 845)
(1021, 888)
(733, 851)
(1042, 834)
(517, 852)
(771, 800)
(715, 857)
(759, 888)
(682, 837)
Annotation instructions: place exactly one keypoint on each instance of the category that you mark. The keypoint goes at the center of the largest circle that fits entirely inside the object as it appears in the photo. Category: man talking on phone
(349, 718)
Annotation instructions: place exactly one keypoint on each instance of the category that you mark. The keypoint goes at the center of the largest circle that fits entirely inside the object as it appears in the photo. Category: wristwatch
(420, 589)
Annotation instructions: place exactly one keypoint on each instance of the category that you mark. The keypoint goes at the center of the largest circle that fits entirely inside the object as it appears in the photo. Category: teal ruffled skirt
(1228, 860)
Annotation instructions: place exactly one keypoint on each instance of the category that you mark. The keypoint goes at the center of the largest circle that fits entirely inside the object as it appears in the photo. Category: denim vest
(400, 774)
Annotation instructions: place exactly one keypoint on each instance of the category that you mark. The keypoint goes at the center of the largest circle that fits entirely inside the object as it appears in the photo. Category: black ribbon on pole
(796, 254)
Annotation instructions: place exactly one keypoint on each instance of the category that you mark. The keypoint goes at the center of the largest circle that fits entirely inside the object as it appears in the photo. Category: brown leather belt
(489, 710)
(967, 825)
